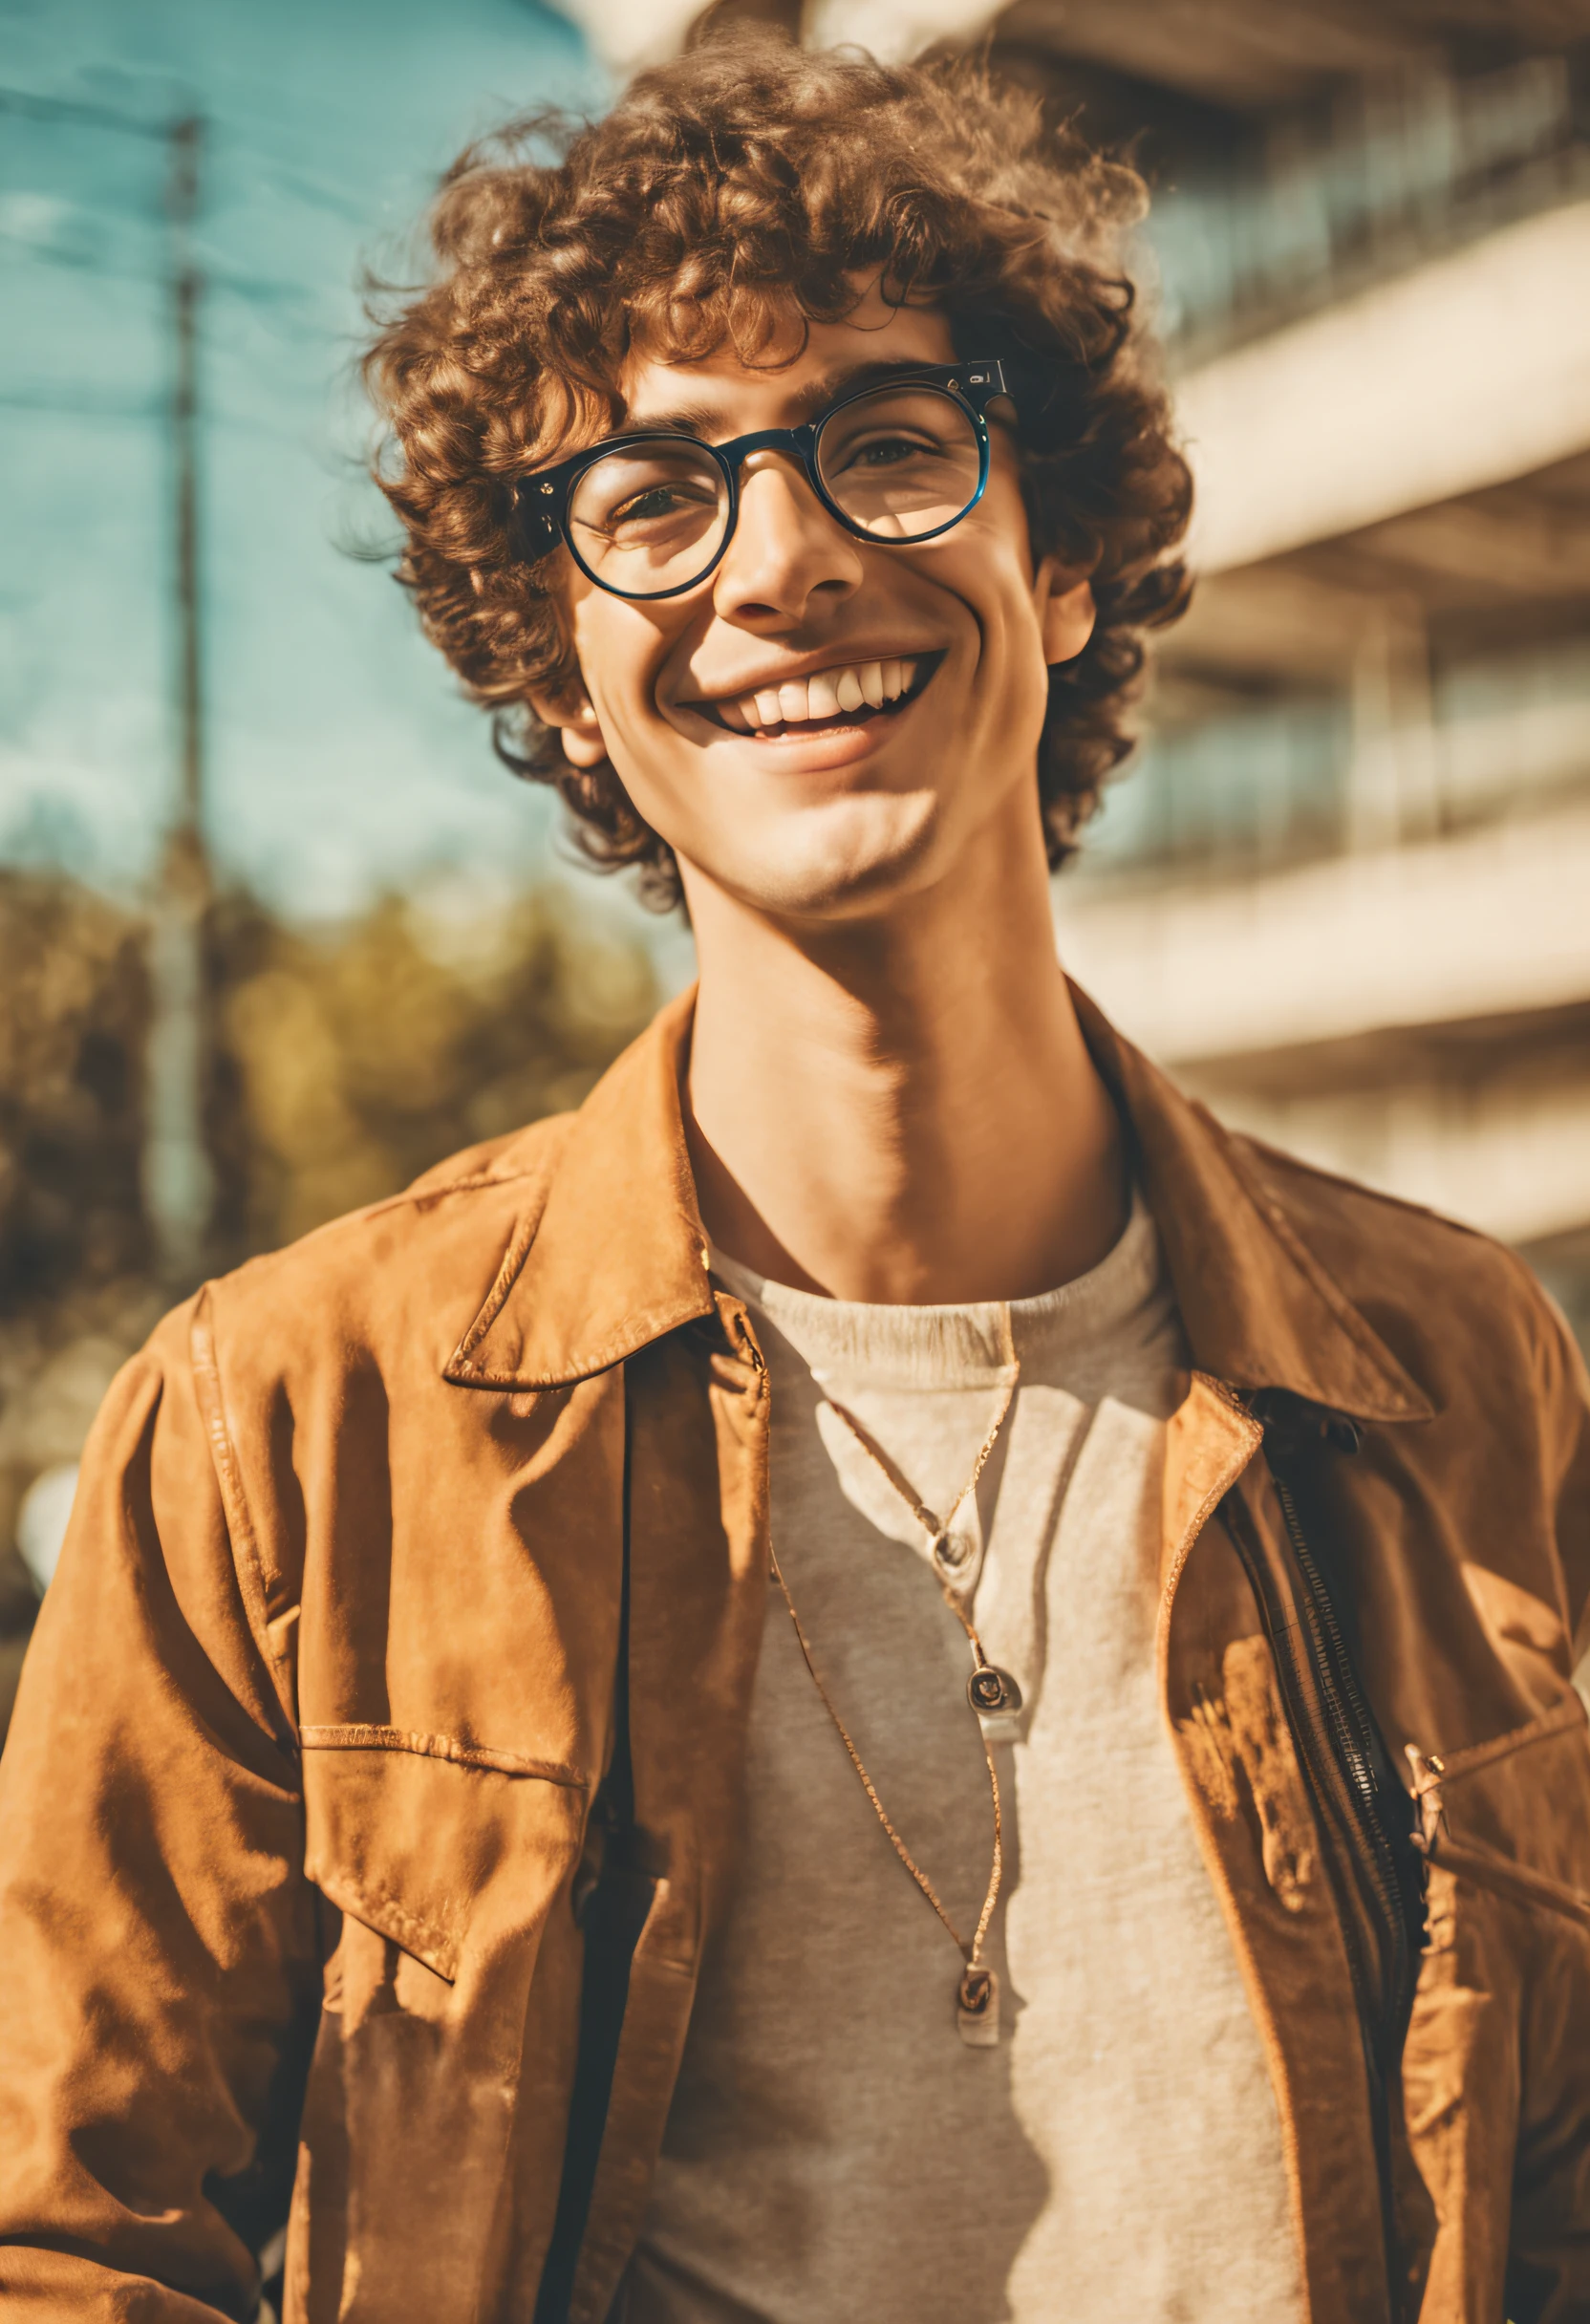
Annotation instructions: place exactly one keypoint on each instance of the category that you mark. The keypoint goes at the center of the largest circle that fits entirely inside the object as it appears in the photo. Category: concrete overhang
(1490, 921)
(1466, 370)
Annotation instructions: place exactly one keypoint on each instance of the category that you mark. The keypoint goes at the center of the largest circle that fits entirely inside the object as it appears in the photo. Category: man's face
(833, 814)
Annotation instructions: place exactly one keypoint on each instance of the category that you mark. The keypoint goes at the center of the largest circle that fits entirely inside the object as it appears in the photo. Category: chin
(841, 865)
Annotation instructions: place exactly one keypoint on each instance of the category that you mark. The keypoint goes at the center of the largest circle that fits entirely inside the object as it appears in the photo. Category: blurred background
(275, 930)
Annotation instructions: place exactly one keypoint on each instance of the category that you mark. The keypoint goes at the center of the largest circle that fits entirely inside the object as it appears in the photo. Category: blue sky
(340, 756)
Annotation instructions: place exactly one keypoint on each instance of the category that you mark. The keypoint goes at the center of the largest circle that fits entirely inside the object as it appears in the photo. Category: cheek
(620, 652)
(596, 649)
(998, 590)
(1001, 514)
(989, 565)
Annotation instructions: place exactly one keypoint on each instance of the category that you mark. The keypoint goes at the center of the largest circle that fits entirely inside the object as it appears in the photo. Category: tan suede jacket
(324, 1798)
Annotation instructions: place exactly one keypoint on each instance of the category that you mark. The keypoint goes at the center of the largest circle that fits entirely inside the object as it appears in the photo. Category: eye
(889, 447)
(887, 451)
(659, 500)
(645, 492)
(884, 449)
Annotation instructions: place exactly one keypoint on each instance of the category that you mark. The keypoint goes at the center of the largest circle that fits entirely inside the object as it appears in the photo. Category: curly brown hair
(725, 188)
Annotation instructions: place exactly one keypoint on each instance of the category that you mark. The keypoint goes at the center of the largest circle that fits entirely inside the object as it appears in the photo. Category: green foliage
(349, 1063)
(74, 1017)
(341, 1065)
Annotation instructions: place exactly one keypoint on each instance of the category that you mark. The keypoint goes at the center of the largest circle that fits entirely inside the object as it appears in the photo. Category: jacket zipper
(1346, 1734)
(1355, 1754)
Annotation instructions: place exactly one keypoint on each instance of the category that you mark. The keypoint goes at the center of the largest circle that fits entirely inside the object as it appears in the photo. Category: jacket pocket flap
(1521, 1882)
(409, 1833)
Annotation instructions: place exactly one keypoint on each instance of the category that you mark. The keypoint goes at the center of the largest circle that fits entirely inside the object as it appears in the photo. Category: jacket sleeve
(1548, 2275)
(160, 1964)
(1565, 1395)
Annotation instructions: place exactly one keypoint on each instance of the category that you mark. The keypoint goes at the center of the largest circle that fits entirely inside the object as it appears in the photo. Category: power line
(32, 106)
(82, 403)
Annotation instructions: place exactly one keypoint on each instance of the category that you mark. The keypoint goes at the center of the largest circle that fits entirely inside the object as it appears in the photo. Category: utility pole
(179, 1184)
(186, 288)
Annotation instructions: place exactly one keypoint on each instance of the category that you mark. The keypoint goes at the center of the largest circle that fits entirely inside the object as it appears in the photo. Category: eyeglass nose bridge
(797, 445)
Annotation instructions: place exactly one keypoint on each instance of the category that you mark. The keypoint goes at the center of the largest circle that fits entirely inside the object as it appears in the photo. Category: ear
(1066, 611)
(584, 743)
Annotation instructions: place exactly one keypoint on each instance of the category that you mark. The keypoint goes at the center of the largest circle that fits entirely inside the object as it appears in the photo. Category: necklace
(988, 1690)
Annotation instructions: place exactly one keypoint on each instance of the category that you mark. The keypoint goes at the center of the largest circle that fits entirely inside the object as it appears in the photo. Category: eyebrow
(702, 419)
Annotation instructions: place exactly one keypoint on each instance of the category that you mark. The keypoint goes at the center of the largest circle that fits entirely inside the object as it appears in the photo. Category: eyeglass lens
(900, 464)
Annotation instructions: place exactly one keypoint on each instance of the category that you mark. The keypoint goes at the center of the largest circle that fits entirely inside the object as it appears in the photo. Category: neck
(900, 1109)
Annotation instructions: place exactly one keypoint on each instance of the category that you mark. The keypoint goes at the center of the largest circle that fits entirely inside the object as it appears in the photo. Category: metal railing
(1316, 206)
(1282, 781)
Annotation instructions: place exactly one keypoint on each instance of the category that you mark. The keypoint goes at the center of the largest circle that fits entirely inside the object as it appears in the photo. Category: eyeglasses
(647, 516)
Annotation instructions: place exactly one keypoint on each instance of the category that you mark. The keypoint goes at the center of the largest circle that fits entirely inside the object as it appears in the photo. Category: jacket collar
(1259, 1308)
(616, 1255)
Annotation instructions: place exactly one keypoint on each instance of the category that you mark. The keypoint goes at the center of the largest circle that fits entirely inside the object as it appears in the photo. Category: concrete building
(1345, 891)
(1346, 894)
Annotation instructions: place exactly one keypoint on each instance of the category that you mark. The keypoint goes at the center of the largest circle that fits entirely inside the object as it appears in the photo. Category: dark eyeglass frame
(541, 502)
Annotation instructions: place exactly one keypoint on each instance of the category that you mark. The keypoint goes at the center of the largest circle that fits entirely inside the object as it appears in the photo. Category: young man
(882, 1677)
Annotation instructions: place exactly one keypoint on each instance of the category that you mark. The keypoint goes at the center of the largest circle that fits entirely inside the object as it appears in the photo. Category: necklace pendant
(990, 1690)
(978, 2009)
(950, 1552)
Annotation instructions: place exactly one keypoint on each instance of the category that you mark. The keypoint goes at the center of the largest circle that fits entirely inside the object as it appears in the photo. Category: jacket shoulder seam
(473, 1184)
(1534, 1303)
(1299, 1168)
(244, 1542)
(1371, 1349)
(428, 1188)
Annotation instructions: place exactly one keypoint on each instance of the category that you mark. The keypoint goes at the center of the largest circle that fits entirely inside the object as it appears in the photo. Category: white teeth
(824, 695)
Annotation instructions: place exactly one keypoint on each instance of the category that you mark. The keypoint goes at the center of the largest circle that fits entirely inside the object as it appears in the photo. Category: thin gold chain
(997, 1873)
(919, 1510)
(926, 1518)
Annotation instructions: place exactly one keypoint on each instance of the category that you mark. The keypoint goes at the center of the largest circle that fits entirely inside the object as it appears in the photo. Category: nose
(787, 555)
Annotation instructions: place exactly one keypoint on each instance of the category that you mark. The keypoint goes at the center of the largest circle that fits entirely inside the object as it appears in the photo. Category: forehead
(719, 395)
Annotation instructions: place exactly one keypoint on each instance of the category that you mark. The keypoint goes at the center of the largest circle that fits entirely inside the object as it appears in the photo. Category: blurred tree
(340, 1065)
(348, 1063)
(72, 1034)
(73, 1248)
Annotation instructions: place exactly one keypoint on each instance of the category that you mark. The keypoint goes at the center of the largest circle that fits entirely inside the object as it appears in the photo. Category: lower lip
(803, 748)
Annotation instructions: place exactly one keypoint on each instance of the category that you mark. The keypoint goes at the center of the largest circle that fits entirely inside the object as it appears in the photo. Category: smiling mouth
(851, 694)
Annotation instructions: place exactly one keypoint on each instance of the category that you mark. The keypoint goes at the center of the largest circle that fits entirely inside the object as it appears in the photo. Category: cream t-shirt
(834, 2152)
